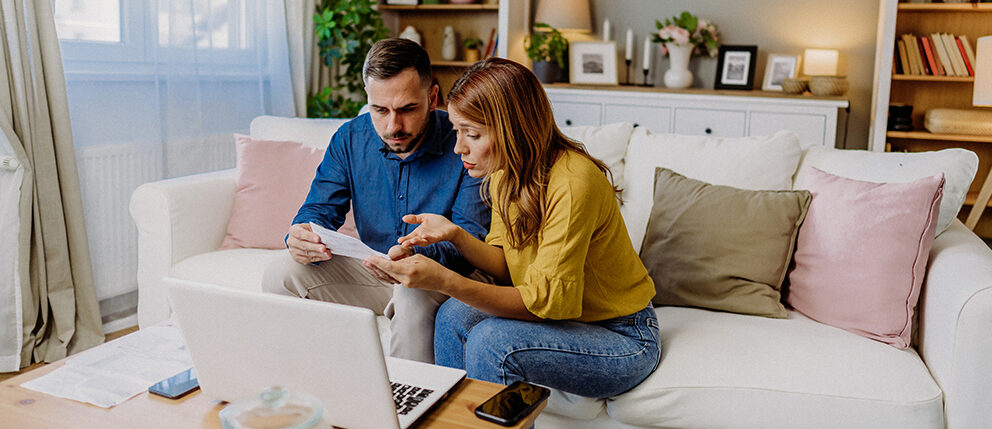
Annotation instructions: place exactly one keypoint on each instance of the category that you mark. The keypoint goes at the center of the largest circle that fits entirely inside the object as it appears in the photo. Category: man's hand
(305, 246)
(433, 228)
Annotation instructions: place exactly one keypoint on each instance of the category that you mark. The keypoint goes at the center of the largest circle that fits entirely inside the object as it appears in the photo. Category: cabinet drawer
(810, 128)
(569, 114)
(720, 123)
(655, 119)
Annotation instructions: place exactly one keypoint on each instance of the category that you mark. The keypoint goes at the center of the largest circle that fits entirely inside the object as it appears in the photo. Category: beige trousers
(345, 280)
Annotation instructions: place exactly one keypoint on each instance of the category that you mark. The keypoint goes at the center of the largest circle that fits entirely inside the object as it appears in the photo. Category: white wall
(775, 26)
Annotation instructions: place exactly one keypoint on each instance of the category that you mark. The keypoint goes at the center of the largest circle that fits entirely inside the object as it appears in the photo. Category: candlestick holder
(645, 71)
(627, 62)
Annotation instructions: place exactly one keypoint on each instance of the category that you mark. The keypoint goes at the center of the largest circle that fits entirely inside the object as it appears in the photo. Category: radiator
(109, 173)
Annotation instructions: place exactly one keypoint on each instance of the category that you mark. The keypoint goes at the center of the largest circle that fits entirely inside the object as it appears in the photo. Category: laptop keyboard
(407, 397)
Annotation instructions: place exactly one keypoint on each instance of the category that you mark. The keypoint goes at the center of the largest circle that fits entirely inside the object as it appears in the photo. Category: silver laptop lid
(243, 342)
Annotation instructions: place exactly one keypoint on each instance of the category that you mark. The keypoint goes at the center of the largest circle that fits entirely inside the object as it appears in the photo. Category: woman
(578, 316)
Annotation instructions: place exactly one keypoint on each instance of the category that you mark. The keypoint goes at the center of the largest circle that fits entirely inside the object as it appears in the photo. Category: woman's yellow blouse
(582, 265)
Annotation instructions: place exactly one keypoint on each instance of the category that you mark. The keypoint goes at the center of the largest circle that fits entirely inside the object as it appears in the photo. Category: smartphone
(512, 403)
(176, 386)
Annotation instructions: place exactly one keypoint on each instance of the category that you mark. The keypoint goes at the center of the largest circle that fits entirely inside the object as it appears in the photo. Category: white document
(344, 245)
(114, 372)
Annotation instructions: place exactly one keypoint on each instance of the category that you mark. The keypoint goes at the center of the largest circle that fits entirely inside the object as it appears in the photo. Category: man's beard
(411, 145)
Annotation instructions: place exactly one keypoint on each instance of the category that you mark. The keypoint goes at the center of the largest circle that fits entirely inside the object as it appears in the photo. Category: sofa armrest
(177, 218)
(955, 316)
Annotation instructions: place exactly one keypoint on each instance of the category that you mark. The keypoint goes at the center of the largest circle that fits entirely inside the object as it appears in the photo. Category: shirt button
(401, 197)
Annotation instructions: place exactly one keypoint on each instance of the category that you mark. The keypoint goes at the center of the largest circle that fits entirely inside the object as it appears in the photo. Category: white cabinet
(701, 112)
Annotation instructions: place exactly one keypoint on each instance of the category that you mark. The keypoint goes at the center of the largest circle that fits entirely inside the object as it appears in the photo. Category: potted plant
(547, 50)
(345, 30)
(472, 45)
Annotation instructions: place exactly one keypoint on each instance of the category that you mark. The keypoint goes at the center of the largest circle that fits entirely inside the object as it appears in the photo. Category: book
(914, 51)
(495, 46)
(901, 48)
(489, 44)
(910, 58)
(964, 56)
(952, 51)
(945, 61)
(938, 68)
(923, 56)
(967, 49)
(928, 54)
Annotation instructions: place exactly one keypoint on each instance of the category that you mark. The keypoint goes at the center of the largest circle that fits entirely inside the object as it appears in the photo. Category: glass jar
(275, 408)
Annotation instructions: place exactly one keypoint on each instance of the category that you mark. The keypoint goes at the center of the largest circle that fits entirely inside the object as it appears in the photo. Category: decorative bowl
(827, 86)
(794, 85)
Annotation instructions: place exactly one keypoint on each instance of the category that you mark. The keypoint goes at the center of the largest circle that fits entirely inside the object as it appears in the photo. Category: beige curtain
(60, 311)
(309, 74)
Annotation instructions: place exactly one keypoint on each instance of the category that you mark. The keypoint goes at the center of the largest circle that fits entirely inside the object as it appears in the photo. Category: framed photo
(592, 63)
(779, 68)
(735, 67)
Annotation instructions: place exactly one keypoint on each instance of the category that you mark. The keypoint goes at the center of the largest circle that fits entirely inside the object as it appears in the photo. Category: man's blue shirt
(358, 168)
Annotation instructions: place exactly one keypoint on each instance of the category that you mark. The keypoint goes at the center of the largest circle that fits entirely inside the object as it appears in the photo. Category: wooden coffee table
(23, 408)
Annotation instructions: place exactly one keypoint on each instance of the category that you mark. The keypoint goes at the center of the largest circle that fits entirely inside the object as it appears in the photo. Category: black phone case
(523, 412)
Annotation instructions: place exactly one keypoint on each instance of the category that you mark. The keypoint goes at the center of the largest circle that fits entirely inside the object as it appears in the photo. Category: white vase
(678, 74)
(449, 50)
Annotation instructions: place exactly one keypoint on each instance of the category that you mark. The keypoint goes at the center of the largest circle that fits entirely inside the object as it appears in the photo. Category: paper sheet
(116, 371)
(344, 245)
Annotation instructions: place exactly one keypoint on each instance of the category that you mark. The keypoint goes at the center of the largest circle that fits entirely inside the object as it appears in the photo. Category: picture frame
(779, 68)
(592, 63)
(735, 67)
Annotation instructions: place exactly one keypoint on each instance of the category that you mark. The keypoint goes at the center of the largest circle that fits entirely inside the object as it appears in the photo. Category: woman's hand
(433, 228)
(417, 271)
(396, 253)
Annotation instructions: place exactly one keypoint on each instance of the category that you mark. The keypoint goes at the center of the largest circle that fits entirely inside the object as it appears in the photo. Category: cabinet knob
(708, 131)
(568, 122)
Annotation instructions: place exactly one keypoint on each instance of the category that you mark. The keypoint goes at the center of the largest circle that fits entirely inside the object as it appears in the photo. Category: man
(398, 159)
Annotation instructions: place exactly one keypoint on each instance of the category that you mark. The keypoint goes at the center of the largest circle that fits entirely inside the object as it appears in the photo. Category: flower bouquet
(687, 29)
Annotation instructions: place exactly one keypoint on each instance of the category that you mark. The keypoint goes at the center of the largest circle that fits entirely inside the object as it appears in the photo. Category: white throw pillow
(958, 165)
(756, 163)
(607, 143)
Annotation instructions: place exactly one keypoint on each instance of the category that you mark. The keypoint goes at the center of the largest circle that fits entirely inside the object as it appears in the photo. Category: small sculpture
(449, 50)
(411, 33)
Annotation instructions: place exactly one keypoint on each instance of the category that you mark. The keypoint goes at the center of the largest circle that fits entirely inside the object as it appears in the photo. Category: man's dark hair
(389, 57)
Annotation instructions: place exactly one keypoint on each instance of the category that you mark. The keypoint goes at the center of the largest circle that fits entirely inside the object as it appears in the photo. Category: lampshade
(565, 15)
(820, 62)
(983, 72)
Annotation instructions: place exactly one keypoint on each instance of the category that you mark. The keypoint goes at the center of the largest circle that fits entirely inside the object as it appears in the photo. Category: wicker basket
(827, 86)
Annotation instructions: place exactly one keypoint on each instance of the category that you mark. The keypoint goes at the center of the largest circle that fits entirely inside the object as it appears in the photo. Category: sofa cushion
(862, 254)
(273, 178)
(723, 370)
(957, 165)
(719, 247)
(309, 131)
(607, 143)
(756, 163)
(236, 268)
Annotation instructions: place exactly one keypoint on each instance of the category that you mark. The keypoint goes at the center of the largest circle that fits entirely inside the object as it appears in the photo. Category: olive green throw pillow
(719, 247)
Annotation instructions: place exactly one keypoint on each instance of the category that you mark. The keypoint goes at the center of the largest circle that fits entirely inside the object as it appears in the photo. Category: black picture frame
(735, 67)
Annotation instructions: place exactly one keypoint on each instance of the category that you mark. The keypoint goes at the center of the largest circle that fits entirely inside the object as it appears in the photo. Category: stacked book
(936, 54)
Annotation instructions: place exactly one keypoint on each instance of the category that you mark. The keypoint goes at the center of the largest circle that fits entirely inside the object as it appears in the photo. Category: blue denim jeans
(596, 360)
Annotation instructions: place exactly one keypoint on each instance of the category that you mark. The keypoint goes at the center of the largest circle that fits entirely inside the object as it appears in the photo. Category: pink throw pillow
(273, 179)
(862, 253)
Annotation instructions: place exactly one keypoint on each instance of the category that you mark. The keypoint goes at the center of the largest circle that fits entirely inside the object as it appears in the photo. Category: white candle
(606, 30)
(647, 53)
(628, 51)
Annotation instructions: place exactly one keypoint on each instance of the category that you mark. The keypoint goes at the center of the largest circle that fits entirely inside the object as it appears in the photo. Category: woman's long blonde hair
(509, 101)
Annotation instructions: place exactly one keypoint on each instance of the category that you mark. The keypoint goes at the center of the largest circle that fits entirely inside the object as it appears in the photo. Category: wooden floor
(110, 336)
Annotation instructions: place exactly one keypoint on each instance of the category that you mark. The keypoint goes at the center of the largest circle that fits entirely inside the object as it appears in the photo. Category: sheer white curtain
(160, 101)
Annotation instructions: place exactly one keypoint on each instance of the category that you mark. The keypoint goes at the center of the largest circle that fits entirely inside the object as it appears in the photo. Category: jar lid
(275, 408)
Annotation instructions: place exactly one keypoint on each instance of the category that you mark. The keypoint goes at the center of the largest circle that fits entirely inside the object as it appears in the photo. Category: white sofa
(718, 370)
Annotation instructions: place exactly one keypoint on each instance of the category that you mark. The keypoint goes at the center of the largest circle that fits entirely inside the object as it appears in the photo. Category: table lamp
(982, 95)
(821, 66)
(565, 15)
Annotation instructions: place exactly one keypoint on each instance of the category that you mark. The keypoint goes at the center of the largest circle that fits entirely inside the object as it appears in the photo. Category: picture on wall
(780, 67)
(735, 67)
(593, 63)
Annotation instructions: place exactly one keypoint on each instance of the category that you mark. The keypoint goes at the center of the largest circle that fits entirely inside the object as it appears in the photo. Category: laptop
(244, 342)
